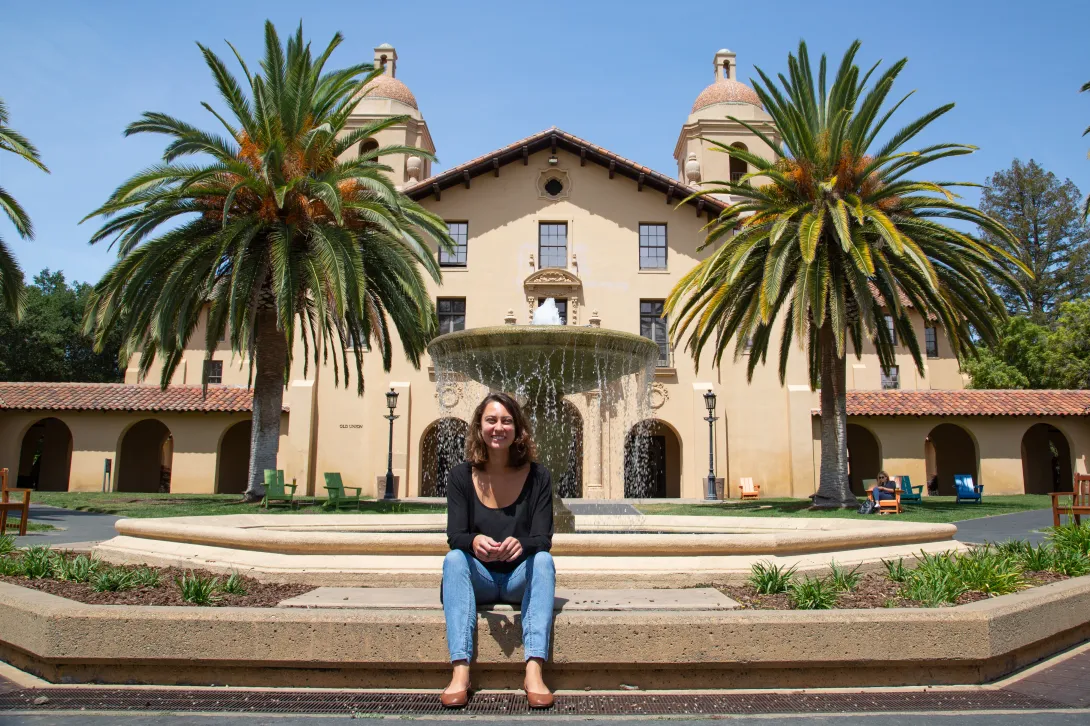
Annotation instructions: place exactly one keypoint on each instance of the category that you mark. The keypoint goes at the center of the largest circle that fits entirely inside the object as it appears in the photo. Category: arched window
(366, 147)
(738, 168)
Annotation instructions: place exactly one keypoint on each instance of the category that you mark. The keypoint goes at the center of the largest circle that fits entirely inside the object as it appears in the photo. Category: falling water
(583, 387)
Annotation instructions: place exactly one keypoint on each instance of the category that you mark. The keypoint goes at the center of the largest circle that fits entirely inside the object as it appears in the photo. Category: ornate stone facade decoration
(413, 167)
(449, 395)
(553, 183)
(554, 282)
(692, 168)
(659, 395)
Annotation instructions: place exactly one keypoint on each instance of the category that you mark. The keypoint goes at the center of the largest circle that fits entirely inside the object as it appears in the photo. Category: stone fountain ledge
(68, 642)
(300, 548)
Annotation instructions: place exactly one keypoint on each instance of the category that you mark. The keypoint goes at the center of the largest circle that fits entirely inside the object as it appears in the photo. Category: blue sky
(620, 74)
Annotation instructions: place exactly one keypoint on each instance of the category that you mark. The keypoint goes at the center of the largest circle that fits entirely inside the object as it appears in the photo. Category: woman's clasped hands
(487, 549)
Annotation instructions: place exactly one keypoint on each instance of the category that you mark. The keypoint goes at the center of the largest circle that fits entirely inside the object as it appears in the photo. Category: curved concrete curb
(63, 641)
(362, 534)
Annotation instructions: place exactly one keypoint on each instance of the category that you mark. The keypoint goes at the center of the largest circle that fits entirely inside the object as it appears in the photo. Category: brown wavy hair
(522, 449)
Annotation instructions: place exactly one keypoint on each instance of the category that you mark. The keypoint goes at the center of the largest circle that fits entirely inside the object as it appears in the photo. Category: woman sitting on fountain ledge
(500, 529)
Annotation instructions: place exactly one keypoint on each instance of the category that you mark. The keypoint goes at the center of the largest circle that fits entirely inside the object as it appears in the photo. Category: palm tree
(837, 238)
(271, 231)
(11, 277)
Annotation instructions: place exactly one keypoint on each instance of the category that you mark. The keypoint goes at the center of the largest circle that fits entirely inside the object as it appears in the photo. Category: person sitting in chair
(884, 489)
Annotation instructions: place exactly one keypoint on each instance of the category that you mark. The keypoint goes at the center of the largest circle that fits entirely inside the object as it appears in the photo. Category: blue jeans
(467, 582)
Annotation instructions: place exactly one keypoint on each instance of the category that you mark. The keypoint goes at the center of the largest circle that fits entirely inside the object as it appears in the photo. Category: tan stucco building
(554, 215)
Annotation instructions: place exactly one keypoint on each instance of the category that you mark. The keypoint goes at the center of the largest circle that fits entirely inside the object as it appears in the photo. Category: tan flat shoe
(538, 700)
(457, 699)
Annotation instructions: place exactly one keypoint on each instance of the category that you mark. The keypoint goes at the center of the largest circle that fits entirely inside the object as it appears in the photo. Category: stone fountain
(542, 363)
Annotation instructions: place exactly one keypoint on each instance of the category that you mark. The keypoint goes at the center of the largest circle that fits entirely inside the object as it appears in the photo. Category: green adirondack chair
(910, 493)
(337, 495)
(276, 491)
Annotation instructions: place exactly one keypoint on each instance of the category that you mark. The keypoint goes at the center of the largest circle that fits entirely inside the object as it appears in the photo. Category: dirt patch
(873, 591)
(258, 594)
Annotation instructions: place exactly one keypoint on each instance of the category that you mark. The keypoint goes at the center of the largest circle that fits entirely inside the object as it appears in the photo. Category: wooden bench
(1080, 500)
(9, 506)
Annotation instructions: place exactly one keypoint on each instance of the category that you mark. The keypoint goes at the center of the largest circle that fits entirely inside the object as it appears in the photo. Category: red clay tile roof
(122, 397)
(569, 142)
(969, 403)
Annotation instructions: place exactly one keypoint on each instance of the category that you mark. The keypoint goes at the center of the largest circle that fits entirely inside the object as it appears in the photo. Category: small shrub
(78, 569)
(889, 603)
(7, 544)
(983, 569)
(896, 571)
(145, 577)
(1071, 536)
(1039, 558)
(114, 579)
(844, 580)
(769, 579)
(1013, 548)
(934, 581)
(198, 589)
(1070, 563)
(11, 566)
(812, 593)
(38, 562)
(234, 585)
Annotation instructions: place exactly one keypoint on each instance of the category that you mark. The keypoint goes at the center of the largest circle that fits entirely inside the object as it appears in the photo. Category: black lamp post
(709, 403)
(391, 403)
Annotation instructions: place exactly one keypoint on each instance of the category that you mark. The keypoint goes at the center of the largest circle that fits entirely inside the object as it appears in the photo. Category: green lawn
(933, 509)
(127, 504)
(31, 526)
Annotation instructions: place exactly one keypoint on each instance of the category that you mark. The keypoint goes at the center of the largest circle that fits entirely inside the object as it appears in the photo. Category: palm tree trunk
(270, 358)
(834, 489)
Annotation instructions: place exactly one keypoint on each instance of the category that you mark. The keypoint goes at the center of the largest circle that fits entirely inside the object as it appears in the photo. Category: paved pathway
(1045, 718)
(78, 527)
(1002, 527)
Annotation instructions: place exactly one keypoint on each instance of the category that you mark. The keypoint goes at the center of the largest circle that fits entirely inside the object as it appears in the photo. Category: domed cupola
(717, 116)
(727, 88)
(386, 96)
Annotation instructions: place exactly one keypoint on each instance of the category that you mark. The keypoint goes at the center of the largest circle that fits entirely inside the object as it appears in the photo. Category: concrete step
(427, 598)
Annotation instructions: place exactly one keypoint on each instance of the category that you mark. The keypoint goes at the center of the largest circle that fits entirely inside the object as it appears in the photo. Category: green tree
(1069, 346)
(11, 277)
(274, 228)
(1051, 238)
(48, 343)
(1019, 358)
(839, 236)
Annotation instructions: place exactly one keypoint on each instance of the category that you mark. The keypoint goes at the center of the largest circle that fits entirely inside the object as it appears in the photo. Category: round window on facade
(553, 187)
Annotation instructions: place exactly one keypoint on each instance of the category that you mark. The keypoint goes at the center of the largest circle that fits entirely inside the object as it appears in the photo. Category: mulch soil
(258, 594)
(873, 591)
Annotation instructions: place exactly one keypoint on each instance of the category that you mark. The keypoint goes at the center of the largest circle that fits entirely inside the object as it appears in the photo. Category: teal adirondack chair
(276, 491)
(966, 491)
(337, 495)
(910, 493)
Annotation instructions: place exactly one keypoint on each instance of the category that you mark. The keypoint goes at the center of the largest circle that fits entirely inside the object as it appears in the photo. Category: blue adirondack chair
(966, 491)
(910, 493)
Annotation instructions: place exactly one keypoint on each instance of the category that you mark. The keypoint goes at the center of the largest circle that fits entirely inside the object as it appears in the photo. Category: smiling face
(498, 428)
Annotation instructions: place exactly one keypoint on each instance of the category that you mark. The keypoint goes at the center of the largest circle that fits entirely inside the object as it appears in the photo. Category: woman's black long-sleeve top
(529, 519)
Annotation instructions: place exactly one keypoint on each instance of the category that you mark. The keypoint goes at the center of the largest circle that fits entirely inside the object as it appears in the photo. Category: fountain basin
(423, 534)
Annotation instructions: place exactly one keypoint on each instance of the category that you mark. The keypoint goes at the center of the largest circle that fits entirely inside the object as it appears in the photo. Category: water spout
(547, 313)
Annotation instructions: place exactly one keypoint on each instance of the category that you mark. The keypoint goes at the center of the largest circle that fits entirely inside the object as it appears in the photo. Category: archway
(864, 457)
(233, 459)
(144, 459)
(442, 447)
(738, 168)
(652, 461)
(950, 450)
(1046, 460)
(570, 483)
(45, 457)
